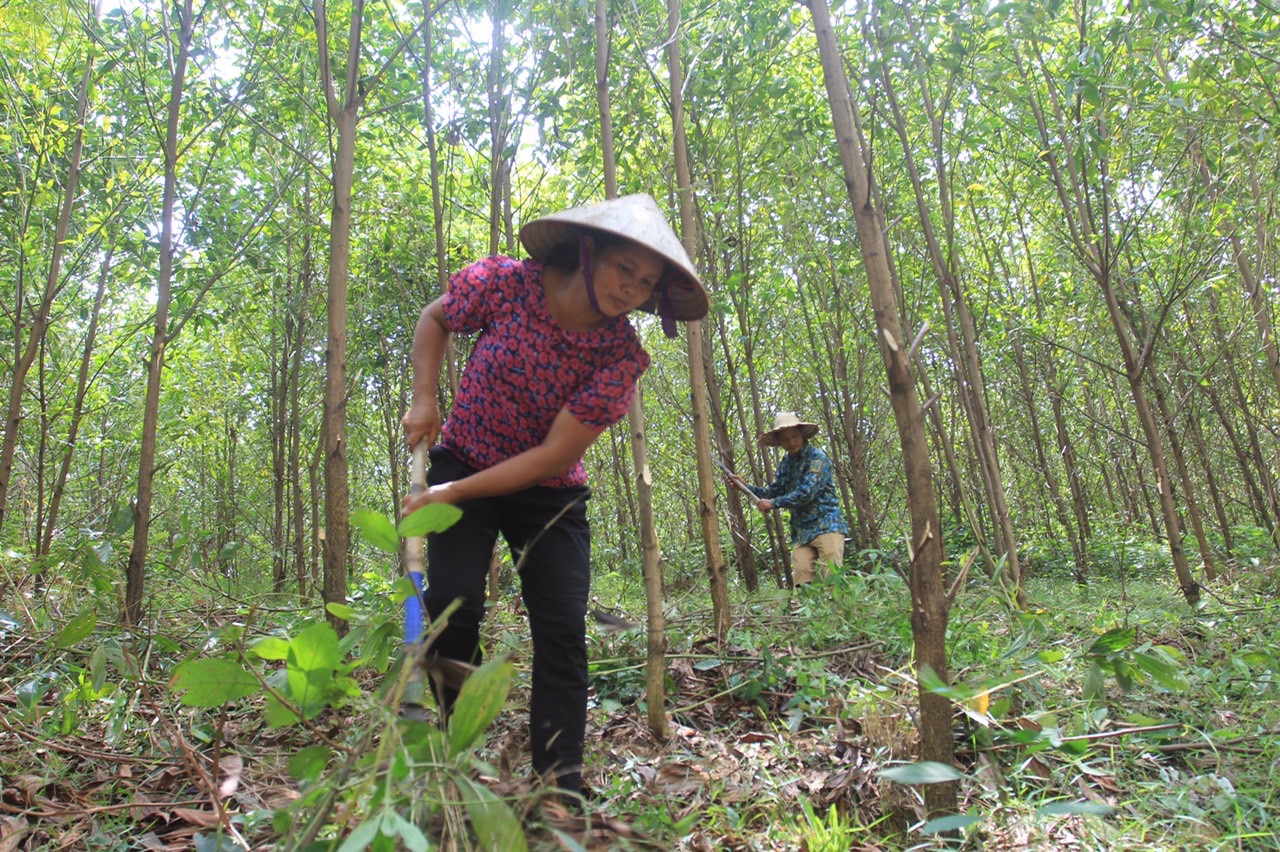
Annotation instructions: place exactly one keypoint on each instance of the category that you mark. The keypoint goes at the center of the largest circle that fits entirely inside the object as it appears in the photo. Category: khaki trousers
(808, 558)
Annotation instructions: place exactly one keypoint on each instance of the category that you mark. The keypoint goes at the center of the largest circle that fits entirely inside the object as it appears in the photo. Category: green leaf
(410, 835)
(403, 589)
(433, 518)
(213, 682)
(1112, 642)
(337, 610)
(98, 668)
(315, 649)
(1071, 808)
(77, 630)
(1091, 94)
(495, 824)
(121, 520)
(307, 764)
(925, 772)
(1094, 687)
(380, 532)
(930, 682)
(1124, 675)
(278, 715)
(362, 836)
(271, 648)
(482, 696)
(214, 843)
(950, 823)
(1165, 673)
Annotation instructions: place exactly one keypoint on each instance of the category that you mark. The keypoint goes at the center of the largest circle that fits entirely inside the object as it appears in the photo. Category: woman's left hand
(434, 494)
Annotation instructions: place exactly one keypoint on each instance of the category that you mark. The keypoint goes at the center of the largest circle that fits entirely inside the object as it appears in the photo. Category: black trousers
(549, 537)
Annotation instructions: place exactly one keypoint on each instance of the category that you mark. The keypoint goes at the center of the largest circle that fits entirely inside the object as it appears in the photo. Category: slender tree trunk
(708, 519)
(300, 322)
(1184, 476)
(277, 416)
(656, 666)
(494, 81)
(77, 410)
(1052, 486)
(1098, 254)
(744, 556)
(929, 604)
(1204, 457)
(135, 572)
(344, 115)
(437, 198)
(39, 322)
(497, 119)
(960, 330)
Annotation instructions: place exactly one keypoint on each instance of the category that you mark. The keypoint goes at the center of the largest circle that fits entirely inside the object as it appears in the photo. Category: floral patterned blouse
(525, 368)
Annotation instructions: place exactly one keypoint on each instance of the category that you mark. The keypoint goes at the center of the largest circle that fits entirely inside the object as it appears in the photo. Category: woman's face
(624, 275)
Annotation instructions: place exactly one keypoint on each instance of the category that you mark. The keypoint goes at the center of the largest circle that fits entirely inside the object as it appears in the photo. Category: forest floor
(776, 740)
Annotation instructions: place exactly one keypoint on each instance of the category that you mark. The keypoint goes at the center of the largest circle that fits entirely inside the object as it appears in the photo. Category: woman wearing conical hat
(804, 485)
(555, 363)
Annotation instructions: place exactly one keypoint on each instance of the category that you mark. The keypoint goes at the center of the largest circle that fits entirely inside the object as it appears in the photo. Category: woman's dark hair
(566, 257)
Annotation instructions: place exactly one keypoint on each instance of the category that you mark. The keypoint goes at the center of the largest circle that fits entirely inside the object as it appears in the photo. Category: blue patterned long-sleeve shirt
(804, 485)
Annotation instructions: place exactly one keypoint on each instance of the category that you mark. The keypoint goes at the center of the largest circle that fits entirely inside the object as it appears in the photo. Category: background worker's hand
(764, 504)
(421, 423)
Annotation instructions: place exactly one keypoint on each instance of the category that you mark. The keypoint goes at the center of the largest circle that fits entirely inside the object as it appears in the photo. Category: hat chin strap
(667, 312)
(584, 259)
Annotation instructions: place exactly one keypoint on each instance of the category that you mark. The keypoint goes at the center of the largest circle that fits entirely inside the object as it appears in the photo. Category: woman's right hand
(421, 423)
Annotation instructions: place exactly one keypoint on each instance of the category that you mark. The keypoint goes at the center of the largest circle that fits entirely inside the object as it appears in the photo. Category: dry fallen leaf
(204, 819)
(232, 766)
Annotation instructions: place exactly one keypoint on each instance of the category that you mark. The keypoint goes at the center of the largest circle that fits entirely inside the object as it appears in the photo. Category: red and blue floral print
(525, 368)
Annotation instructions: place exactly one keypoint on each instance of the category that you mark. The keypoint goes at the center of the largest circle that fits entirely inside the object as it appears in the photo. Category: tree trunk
(1186, 391)
(40, 319)
(929, 608)
(345, 116)
(1098, 253)
(744, 555)
(299, 323)
(656, 657)
(1184, 476)
(708, 519)
(77, 410)
(437, 198)
(960, 329)
(1052, 486)
(135, 572)
(497, 120)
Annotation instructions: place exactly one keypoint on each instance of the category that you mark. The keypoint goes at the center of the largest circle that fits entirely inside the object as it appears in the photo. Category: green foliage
(832, 832)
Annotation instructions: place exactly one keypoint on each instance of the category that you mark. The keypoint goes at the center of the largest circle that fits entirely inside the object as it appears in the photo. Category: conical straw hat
(633, 217)
(785, 420)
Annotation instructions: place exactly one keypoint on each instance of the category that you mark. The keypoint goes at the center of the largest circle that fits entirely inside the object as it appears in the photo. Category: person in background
(555, 363)
(804, 484)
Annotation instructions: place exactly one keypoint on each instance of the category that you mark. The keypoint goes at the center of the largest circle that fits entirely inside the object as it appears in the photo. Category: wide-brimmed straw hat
(633, 217)
(786, 420)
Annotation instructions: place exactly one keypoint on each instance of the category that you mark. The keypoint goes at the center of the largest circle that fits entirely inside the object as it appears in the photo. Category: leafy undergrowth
(1106, 717)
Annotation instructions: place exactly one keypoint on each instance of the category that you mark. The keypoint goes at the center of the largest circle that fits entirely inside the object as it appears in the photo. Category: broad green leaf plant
(380, 784)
